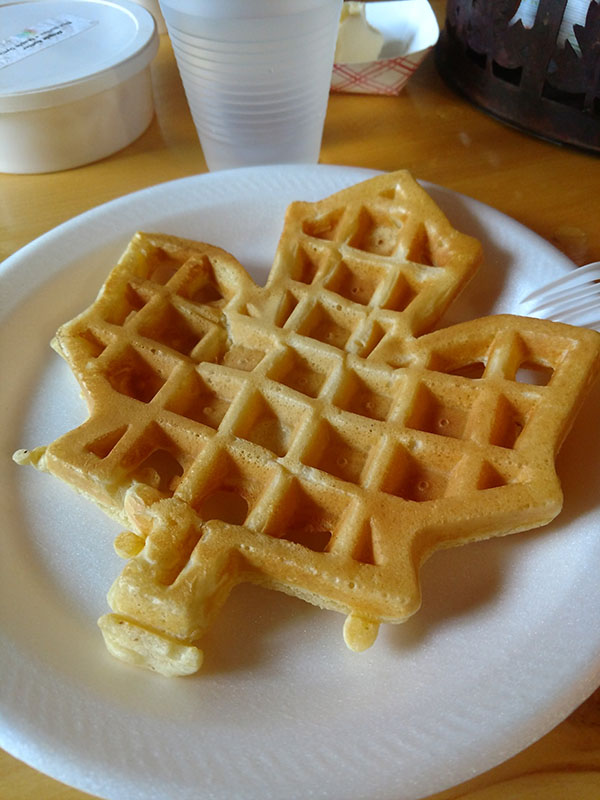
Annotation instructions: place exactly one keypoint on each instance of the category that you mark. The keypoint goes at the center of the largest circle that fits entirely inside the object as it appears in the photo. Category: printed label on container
(41, 35)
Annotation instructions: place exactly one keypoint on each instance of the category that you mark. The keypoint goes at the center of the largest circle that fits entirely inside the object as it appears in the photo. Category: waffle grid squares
(337, 455)
(426, 413)
(313, 427)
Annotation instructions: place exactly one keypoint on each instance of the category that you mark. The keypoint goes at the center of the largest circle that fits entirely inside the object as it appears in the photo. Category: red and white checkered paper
(385, 76)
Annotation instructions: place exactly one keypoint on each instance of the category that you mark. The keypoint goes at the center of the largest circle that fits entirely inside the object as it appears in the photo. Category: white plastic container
(153, 7)
(74, 81)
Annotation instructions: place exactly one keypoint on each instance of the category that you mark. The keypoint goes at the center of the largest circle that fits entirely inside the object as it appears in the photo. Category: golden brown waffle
(310, 436)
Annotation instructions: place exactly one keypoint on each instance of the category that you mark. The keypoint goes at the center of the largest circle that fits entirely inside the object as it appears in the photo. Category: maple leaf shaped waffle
(312, 435)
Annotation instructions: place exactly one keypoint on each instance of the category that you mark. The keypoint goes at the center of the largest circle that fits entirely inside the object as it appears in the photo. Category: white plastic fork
(573, 298)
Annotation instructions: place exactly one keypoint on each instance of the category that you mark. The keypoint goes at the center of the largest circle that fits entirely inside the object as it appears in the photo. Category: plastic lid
(57, 51)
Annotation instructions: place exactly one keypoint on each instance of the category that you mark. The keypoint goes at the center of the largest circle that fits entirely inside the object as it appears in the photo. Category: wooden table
(440, 138)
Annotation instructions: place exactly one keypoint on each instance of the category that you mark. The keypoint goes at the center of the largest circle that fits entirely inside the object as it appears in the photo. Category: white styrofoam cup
(256, 74)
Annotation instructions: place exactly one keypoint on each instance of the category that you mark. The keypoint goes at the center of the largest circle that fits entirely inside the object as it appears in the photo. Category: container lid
(57, 51)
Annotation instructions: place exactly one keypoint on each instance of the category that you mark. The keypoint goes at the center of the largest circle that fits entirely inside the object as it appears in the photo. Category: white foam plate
(506, 645)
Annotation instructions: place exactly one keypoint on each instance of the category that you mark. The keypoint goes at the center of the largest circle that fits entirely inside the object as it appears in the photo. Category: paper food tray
(410, 30)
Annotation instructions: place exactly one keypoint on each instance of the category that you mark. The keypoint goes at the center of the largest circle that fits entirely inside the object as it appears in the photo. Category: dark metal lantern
(522, 75)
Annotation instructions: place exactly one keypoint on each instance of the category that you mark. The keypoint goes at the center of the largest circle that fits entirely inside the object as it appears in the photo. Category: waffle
(315, 435)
